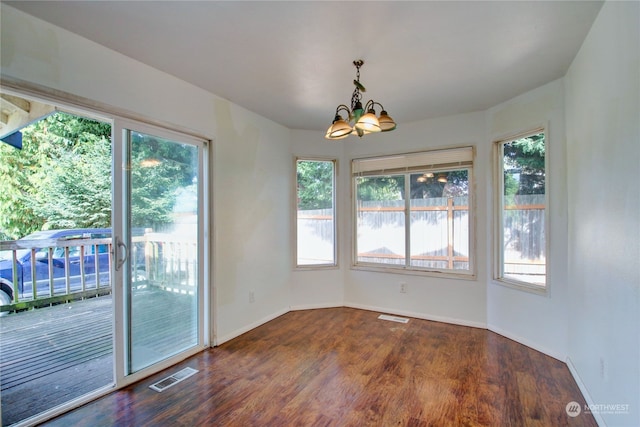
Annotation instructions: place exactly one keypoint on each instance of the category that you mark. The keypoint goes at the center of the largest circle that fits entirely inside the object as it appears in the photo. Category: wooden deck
(43, 352)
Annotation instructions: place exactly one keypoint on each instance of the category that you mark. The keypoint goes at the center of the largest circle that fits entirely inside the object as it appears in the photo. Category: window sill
(521, 286)
(316, 267)
(415, 272)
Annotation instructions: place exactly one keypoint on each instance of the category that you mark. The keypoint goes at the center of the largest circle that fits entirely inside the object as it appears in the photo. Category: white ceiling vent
(393, 318)
(165, 383)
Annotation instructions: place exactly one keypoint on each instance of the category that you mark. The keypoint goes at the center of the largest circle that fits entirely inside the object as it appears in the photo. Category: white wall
(251, 158)
(538, 321)
(252, 176)
(603, 164)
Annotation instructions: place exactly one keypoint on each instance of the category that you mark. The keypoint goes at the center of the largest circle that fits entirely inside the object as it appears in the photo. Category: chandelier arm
(343, 107)
(371, 103)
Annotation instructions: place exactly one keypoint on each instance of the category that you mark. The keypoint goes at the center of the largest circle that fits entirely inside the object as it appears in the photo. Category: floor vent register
(393, 318)
(174, 379)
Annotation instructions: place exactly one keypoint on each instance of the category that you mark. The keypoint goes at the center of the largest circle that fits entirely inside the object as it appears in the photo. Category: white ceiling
(292, 61)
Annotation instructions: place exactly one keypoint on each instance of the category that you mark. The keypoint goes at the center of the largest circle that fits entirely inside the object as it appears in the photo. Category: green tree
(159, 169)
(36, 175)
(61, 178)
(16, 216)
(392, 187)
(72, 187)
(525, 158)
(378, 188)
(315, 184)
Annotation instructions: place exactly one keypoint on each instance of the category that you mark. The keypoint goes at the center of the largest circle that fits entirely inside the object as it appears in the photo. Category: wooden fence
(438, 230)
(439, 233)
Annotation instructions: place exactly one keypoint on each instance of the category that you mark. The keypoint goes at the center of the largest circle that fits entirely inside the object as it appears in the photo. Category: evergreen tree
(61, 178)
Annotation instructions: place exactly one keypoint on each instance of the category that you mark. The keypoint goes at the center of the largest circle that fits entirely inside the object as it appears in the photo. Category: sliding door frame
(121, 128)
(118, 117)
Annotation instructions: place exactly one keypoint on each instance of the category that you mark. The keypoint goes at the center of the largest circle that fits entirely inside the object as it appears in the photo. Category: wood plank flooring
(345, 367)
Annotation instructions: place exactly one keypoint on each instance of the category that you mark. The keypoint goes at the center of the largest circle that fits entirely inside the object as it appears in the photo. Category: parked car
(59, 240)
(95, 253)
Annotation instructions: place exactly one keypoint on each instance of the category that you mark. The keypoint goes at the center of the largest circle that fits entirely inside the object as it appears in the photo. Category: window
(316, 229)
(521, 223)
(413, 211)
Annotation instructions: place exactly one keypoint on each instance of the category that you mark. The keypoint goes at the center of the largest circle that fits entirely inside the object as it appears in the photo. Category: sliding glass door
(160, 256)
(102, 267)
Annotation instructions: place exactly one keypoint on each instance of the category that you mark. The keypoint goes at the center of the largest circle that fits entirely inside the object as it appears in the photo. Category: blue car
(96, 253)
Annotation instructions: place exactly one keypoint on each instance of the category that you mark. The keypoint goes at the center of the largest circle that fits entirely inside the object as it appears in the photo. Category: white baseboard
(528, 343)
(451, 320)
(245, 329)
(222, 339)
(584, 391)
(316, 306)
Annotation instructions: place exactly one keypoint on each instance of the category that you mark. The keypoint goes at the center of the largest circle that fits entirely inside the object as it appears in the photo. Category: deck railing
(170, 261)
(51, 271)
(47, 272)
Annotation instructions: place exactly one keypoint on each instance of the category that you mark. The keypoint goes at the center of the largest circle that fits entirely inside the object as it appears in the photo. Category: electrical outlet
(252, 296)
(403, 288)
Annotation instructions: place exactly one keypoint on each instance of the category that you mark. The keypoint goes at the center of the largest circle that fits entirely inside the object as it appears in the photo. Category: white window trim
(294, 210)
(407, 163)
(498, 254)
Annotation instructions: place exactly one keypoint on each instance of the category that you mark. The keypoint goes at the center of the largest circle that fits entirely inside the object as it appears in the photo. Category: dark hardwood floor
(345, 367)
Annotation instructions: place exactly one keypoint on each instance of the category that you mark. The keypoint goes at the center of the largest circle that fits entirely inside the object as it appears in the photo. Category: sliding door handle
(120, 253)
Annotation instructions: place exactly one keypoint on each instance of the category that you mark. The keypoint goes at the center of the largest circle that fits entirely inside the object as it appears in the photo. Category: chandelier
(363, 123)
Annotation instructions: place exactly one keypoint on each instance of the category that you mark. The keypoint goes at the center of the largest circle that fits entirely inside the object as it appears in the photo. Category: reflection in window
(417, 218)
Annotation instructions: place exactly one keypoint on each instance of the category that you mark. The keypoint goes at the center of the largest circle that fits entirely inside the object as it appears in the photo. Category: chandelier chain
(356, 96)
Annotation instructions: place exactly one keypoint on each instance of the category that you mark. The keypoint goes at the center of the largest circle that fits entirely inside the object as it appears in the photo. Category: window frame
(319, 266)
(406, 171)
(498, 234)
